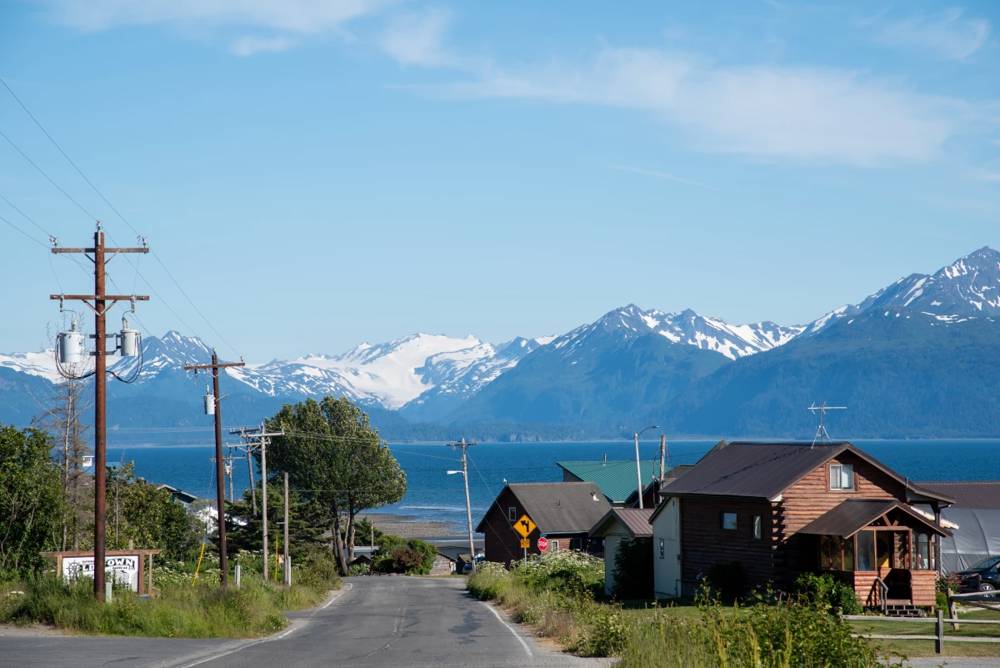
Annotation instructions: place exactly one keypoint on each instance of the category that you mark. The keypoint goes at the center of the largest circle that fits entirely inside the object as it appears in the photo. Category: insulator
(70, 346)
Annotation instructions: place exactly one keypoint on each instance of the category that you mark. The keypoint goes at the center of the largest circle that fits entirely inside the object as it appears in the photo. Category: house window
(758, 527)
(866, 550)
(924, 553)
(512, 513)
(848, 554)
(841, 476)
(662, 548)
(553, 546)
(729, 521)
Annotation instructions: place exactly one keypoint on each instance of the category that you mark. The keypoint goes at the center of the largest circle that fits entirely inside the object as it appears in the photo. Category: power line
(25, 234)
(31, 220)
(47, 177)
(118, 213)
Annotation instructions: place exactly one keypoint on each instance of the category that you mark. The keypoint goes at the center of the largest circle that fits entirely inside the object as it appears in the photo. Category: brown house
(771, 511)
(563, 511)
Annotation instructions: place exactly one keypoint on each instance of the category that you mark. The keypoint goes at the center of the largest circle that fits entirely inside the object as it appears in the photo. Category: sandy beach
(409, 526)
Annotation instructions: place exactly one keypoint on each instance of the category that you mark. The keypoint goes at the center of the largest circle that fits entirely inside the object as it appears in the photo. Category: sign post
(525, 527)
(125, 568)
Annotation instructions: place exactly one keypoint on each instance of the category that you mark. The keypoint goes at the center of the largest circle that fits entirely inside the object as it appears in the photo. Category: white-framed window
(841, 476)
(729, 521)
(758, 527)
(512, 513)
(553, 546)
(662, 547)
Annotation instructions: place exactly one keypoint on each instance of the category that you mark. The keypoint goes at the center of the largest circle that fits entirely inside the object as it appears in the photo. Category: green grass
(914, 648)
(181, 608)
(707, 635)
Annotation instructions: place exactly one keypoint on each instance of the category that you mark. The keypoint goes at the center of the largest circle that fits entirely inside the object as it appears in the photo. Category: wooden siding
(924, 585)
(705, 544)
(811, 497)
(502, 543)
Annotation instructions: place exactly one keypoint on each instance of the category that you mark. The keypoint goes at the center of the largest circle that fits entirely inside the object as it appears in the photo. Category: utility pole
(287, 564)
(638, 466)
(464, 445)
(263, 440)
(220, 482)
(100, 302)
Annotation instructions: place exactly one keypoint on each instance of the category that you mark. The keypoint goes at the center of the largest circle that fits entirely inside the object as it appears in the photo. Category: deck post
(939, 632)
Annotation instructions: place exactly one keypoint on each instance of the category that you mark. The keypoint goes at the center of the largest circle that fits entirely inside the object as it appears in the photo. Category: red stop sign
(543, 543)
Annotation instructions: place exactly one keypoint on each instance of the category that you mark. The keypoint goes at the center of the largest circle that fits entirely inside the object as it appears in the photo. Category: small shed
(616, 527)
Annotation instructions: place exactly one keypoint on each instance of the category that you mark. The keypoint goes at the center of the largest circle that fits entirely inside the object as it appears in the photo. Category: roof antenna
(822, 435)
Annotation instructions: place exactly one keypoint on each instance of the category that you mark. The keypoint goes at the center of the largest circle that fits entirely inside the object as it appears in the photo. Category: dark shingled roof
(852, 515)
(636, 520)
(560, 507)
(981, 494)
(765, 470)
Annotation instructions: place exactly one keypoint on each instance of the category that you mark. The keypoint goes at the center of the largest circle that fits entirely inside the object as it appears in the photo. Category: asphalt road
(377, 621)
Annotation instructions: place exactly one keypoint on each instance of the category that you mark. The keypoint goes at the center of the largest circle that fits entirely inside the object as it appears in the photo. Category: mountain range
(916, 358)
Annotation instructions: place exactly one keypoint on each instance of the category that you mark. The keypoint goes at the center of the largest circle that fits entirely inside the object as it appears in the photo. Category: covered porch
(884, 549)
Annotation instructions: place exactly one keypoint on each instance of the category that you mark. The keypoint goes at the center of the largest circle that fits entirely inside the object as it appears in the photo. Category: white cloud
(948, 34)
(250, 44)
(416, 39)
(814, 114)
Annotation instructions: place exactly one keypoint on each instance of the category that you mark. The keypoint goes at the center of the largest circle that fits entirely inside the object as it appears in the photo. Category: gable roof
(852, 515)
(635, 521)
(558, 507)
(765, 470)
(615, 478)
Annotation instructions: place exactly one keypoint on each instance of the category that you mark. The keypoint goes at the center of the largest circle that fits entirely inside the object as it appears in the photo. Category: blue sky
(316, 174)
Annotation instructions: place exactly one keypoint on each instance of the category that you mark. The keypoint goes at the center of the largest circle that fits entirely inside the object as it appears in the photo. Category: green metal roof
(615, 478)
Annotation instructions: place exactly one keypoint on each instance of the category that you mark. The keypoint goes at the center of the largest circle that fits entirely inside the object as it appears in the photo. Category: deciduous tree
(335, 458)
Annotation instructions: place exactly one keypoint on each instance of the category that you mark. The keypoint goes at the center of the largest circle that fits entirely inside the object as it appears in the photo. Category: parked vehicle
(984, 576)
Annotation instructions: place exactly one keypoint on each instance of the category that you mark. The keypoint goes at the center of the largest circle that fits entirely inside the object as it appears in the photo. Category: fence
(939, 637)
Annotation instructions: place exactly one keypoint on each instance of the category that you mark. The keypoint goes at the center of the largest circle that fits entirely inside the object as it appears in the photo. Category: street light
(464, 471)
(638, 467)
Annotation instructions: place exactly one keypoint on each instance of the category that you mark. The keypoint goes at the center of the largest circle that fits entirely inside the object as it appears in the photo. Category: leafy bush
(828, 594)
(397, 555)
(573, 574)
(634, 570)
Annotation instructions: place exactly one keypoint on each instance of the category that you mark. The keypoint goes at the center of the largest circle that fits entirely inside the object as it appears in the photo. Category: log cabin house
(771, 511)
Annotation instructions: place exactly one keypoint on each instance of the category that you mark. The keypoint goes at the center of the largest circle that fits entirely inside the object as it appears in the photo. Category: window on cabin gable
(662, 547)
(841, 476)
(512, 513)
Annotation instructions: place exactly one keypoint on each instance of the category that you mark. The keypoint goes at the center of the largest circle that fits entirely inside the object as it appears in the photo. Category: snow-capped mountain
(41, 364)
(967, 289)
(689, 328)
(390, 374)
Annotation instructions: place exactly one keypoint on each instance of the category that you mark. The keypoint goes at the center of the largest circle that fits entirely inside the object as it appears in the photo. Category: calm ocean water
(432, 494)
